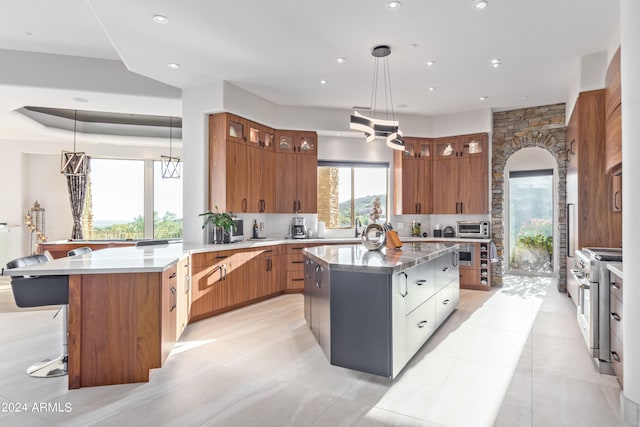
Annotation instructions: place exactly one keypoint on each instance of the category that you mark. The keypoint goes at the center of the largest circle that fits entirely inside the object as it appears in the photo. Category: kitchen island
(371, 311)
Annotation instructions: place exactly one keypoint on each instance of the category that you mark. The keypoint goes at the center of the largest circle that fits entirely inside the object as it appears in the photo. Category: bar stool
(79, 251)
(37, 291)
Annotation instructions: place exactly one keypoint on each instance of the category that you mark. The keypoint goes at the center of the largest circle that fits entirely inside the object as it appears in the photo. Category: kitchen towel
(493, 253)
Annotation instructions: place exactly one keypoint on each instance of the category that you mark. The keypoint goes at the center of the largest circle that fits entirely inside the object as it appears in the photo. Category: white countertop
(131, 259)
(615, 268)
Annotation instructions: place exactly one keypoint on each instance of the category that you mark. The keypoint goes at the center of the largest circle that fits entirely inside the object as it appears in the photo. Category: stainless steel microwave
(473, 229)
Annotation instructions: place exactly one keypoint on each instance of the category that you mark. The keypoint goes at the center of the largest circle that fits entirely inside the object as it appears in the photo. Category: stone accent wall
(328, 196)
(512, 130)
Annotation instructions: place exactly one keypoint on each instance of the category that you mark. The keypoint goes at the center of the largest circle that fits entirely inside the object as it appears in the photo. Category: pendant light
(374, 127)
(74, 163)
(169, 165)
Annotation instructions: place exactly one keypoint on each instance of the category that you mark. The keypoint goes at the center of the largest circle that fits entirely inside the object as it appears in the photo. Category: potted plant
(220, 223)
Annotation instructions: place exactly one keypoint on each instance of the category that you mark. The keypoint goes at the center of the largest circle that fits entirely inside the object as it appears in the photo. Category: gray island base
(372, 311)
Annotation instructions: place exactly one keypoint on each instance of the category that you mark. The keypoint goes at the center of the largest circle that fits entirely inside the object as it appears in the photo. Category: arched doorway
(531, 212)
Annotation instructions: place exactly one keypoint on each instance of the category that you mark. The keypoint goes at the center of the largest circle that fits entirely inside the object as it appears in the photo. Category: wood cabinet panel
(614, 141)
(473, 184)
(307, 184)
(286, 176)
(115, 328)
(613, 88)
(261, 187)
(413, 177)
(237, 179)
(445, 186)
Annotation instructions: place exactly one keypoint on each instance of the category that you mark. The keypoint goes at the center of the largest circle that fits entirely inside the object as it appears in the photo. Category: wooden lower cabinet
(294, 267)
(225, 280)
(121, 326)
(183, 295)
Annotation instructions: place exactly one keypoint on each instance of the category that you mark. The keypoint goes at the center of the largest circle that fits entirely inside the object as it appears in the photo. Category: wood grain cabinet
(460, 175)
(169, 311)
(613, 114)
(183, 295)
(412, 177)
(249, 161)
(297, 182)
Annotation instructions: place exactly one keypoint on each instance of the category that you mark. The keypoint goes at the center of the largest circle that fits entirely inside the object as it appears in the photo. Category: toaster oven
(236, 234)
(473, 229)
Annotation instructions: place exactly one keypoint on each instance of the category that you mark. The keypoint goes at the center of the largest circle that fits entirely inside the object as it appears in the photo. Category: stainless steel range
(592, 278)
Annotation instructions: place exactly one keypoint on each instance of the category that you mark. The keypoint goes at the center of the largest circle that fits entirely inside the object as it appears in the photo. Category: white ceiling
(281, 49)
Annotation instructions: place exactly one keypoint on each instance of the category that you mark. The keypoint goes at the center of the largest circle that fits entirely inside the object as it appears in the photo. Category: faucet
(358, 222)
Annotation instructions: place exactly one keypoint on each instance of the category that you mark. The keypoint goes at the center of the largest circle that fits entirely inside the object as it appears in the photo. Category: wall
(512, 130)
(590, 73)
(630, 70)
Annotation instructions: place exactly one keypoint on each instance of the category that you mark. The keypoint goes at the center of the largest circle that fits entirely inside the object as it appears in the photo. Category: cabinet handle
(174, 294)
(614, 285)
(573, 153)
(173, 275)
(317, 269)
(221, 256)
(419, 207)
(297, 262)
(266, 262)
(615, 201)
(616, 317)
(187, 280)
(447, 301)
(455, 258)
(457, 207)
(406, 290)
(224, 267)
(569, 252)
(294, 206)
(461, 210)
(422, 324)
(421, 282)
(244, 205)
(445, 269)
(615, 356)
(416, 206)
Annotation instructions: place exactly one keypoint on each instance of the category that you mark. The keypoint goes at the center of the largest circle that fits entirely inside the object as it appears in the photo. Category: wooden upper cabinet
(237, 128)
(269, 138)
(460, 175)
(261, 136)
(303, 142)
(412, 177)
(613, 117)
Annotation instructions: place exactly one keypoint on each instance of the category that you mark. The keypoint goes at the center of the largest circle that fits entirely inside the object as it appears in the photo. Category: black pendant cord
(75, 127)
(170, 138)
(388, 76)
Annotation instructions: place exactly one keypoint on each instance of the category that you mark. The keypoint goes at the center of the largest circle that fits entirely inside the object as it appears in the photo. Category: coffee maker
(298, 229)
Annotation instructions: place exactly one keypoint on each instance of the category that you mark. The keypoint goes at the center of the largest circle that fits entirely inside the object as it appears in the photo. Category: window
(167, 205)
(531, 220)
(115, 202)
(350, 191)
(114, 205)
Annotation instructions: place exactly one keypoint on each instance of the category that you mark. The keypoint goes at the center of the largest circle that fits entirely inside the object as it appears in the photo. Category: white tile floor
(509, 357)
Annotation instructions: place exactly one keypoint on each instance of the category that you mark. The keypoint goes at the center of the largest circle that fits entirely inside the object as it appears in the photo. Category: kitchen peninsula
(372, 310)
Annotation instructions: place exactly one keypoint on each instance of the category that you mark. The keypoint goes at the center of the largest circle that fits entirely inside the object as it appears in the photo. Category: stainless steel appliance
(448, 232)
(466, 254)
(473, 229)
(591, 285)
(298, 229)
(236, 234)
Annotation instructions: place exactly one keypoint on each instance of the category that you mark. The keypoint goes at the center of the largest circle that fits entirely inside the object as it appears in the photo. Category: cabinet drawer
(445, 271)
(421, 285)
(615, 310)
(615, 285)
(420, 324)
(446, 301)
(295, 280)
(617, 358)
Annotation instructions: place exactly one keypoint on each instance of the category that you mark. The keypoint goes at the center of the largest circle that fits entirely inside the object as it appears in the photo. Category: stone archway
(542, 127)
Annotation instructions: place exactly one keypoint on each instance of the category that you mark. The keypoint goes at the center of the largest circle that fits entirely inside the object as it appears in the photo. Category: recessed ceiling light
(28, 33)
(393, 5)
(323, 82)
(413, 45)
(431, 63)
(79, 99)
(173, 65)
(483, 98)
(496, 62)
(160, 19)
(524, 98)
(341, 60)
(432, 89)
(402, 106)
(479, 4)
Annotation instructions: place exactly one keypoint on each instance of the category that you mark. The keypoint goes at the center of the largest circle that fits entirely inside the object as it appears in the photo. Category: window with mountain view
(114, 205)
(350, 191)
